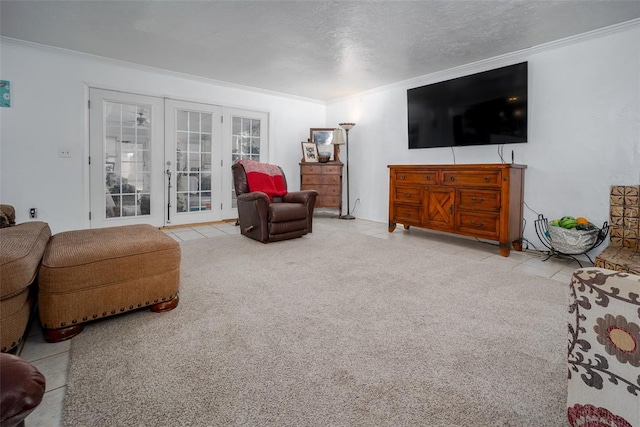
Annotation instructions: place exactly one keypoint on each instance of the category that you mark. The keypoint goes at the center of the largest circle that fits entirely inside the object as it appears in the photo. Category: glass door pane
(193, 161)
(246, 137)
(126, 160)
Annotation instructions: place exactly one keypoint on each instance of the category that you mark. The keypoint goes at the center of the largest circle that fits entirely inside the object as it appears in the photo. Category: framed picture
(323, 137)
(309, 152)
(5, 94)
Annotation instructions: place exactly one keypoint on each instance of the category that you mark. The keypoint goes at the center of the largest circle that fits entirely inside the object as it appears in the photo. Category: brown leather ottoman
(91, 274)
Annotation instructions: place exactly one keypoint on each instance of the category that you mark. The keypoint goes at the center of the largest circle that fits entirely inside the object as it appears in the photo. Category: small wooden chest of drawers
(479, 200)
(326, 179)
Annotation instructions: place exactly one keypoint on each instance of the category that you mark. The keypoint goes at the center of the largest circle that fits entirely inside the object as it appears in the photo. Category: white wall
(584, 129)
(48, 111)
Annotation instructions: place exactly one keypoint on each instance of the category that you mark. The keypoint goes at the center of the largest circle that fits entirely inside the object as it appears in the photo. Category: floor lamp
(347, 127)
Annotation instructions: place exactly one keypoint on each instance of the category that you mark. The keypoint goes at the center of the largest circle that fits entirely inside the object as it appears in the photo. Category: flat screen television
(479, 109)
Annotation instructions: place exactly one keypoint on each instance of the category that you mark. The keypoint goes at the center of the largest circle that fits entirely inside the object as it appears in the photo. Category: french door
(126, 140)
(193, 151)
(166, 162)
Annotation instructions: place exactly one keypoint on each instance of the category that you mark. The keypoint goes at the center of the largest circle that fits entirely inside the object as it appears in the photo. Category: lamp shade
(347, 126)
(338, 139)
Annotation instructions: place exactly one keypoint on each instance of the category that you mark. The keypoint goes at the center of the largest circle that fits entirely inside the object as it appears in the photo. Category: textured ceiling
(315, 49)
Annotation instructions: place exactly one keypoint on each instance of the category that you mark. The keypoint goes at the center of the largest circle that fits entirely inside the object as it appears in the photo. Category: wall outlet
(64, 153)
(33, 213)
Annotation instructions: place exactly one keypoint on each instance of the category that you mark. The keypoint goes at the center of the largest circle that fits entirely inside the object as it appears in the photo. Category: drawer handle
(477, 201)
(407, 195)
(452, 178)
(401, 177)
(428, 177)
(486, 179)
(407, 214)
(476, 224)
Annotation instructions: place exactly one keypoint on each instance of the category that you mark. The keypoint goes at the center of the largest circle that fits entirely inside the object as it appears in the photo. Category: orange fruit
(582, 220)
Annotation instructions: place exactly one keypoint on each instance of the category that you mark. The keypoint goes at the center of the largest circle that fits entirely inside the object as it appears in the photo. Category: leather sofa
(22, 388)
(21, 249)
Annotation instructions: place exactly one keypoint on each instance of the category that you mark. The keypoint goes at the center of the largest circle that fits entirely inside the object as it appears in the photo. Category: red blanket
(264, 177)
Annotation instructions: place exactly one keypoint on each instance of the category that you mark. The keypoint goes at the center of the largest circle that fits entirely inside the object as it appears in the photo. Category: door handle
(450, 209)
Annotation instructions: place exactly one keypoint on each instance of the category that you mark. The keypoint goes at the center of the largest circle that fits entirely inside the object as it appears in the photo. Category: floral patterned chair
(604, 349)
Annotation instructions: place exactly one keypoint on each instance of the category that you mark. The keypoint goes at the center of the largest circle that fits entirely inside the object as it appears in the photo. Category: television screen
(483, 108)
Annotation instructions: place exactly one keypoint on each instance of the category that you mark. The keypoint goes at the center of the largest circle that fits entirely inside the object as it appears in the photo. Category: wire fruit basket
(569, 242)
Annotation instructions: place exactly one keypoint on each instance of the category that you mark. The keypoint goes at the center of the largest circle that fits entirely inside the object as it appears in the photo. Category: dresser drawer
(406, 194)
(320, 169)
(479, 200)
(320, 179)
(331, 169)
(324, 190)
(479, 225)
(310, 169)
(472, 178)
(328, 202)
(413, 177)
(406, 214)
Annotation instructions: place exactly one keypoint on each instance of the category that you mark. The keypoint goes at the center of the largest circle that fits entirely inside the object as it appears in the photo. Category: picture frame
(323, 138)
(309, 152)
(5, 94)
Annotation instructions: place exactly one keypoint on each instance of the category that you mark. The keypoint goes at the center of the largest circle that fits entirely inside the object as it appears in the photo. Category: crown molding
(148, 68)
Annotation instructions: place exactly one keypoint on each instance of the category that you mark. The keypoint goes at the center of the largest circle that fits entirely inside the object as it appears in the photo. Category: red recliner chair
(269, 218)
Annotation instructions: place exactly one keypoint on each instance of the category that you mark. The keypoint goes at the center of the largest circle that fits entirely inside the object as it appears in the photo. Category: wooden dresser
(479, 200)
(326, 179)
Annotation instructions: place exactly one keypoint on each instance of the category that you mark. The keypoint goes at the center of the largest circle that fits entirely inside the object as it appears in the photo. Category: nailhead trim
(104, 313)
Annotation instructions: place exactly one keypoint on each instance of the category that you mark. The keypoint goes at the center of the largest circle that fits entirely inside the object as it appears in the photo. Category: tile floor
(53, 359)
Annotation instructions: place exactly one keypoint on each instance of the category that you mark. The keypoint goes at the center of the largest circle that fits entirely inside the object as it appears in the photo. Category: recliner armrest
(303, 196)
(253, 196)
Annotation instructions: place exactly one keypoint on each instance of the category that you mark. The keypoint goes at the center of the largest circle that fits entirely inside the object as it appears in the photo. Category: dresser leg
(504, 249)
(392, 226)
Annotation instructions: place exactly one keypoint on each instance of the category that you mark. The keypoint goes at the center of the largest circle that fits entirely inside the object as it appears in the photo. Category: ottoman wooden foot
(163, 306)
(61, 334)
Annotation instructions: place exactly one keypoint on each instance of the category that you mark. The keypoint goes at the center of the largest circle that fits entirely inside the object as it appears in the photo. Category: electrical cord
(528, 207)
(501, 153)
(454, 155)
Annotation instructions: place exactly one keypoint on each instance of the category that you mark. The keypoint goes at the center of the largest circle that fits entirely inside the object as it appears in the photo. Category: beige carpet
(329, 330)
